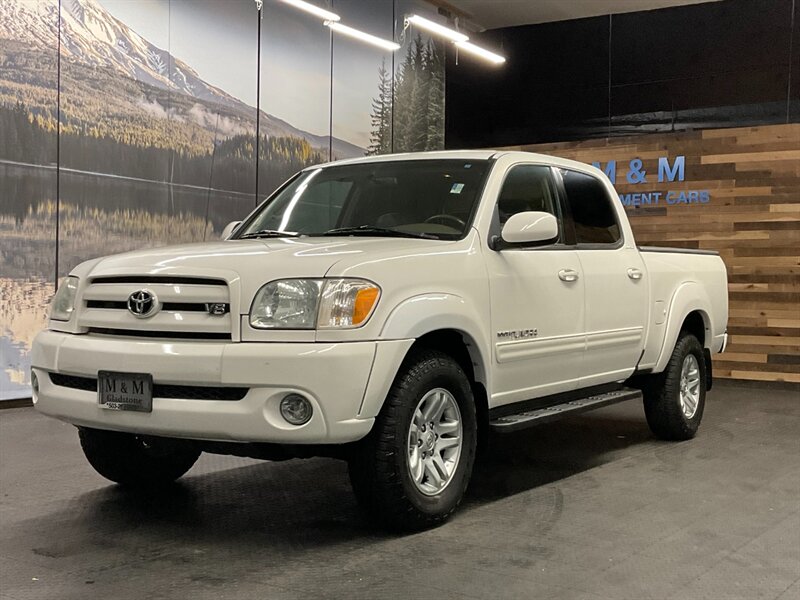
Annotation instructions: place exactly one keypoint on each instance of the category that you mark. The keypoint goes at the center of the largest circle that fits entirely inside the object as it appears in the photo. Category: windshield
(413, 198)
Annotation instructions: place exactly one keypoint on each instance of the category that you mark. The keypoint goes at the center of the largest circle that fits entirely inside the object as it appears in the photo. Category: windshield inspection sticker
(457, 188)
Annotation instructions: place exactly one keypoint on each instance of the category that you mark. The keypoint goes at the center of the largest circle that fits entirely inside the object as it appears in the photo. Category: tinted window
(594, 217)
(430, 197)
(526, 188)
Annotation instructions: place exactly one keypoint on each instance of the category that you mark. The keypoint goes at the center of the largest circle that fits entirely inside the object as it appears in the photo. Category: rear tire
(406, 474)
(137, 461)
(674, 400)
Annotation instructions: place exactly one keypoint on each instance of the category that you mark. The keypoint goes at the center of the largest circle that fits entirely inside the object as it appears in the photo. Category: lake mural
(164, 129)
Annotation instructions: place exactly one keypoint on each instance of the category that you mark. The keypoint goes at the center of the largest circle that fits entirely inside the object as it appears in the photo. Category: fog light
(296, 409)
(34, 387)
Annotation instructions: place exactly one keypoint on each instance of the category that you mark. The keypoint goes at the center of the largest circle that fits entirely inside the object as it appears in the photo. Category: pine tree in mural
(418, 107)
(418, 119)
(434, 136)
(404, 84)
(380, 141)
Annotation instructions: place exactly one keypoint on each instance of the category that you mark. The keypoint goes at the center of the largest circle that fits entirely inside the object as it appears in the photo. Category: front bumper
(343, 381)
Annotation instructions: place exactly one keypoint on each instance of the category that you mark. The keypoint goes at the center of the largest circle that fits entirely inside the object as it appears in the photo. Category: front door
(537, 299)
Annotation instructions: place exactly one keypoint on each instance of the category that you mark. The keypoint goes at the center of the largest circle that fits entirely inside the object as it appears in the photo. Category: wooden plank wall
(752, 218)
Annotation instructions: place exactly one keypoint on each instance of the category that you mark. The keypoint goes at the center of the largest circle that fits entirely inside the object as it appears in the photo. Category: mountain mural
(100, 52)
(149, 151)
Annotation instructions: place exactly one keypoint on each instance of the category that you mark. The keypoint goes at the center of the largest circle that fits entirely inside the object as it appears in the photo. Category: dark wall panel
(716, 64)
(699, 40)
(794, 84)
(728, 65)
(556, 77)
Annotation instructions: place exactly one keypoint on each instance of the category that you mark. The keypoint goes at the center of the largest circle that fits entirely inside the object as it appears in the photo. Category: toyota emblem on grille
(143, 303)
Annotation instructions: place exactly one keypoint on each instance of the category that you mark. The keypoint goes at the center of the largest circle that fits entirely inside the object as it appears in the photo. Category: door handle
(634, 274)
(568, 275)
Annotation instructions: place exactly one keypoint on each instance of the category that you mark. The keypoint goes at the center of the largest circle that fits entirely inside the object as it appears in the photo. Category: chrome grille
(185, 311)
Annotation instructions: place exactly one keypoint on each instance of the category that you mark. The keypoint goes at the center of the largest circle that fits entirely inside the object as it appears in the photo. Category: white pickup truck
(389, 311)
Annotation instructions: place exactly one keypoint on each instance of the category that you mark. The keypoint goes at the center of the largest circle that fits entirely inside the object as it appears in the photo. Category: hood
(249, 264)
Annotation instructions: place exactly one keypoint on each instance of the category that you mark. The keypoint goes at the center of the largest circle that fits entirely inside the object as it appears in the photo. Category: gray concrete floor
(591, 507)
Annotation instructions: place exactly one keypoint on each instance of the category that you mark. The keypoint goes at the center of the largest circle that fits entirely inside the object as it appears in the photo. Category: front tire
(675, 399)
(411, 471)
(136, 461)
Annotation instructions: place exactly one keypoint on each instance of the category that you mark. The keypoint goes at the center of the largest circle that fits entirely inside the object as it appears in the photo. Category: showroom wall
(131, 124)
(693, 111)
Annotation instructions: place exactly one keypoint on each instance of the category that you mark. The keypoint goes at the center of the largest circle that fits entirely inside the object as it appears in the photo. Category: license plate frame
(118, 390)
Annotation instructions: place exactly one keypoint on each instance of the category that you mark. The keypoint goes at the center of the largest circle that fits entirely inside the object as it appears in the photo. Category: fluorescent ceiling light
(313, 9)
(433, 27)
(481, 52)
(364, 37)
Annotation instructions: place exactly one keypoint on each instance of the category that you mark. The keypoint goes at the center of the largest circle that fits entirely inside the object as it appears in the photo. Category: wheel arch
(697, 323)
(462, 347)
(458, 344)
(690, 311)
(444, 322)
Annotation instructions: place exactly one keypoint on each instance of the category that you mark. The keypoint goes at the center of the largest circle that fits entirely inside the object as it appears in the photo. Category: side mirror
(531, 227)
(229, 229)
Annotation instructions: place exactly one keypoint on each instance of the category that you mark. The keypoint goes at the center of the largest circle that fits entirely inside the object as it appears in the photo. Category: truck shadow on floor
(299, 509)
(309, 502)
(514, 463)
(279, 519)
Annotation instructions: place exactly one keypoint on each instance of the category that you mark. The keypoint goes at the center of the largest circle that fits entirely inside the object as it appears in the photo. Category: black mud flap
(709, 374)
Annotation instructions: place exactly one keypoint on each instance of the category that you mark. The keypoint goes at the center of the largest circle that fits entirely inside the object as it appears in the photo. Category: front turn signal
(365, 302)
(347, 303)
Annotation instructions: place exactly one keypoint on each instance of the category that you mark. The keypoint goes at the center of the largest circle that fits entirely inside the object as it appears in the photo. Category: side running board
(538, 416)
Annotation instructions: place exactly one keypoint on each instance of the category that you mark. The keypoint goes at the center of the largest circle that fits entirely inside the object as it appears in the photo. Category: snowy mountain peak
(33, 21)
(92, 36)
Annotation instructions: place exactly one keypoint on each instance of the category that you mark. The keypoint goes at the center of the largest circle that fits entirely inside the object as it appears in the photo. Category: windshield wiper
(370, 230)
(268, 233)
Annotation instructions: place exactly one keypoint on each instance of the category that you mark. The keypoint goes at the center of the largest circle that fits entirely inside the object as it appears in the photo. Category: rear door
(614, 276)
(536, 297)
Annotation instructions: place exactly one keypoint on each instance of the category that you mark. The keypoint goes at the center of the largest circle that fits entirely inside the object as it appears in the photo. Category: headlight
(64, 302)
(312, 303)
(286, 304)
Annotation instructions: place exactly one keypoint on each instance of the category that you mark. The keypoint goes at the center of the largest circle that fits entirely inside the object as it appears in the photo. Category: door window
(592, 214)
(527, 188)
